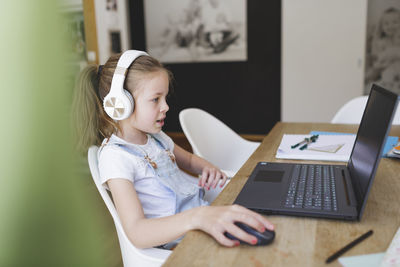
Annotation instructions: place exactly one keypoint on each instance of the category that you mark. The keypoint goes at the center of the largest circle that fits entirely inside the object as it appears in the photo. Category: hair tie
(99, 71)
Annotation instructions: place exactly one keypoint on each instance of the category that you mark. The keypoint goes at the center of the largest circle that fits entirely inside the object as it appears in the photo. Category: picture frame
(196, 30)
(382, 64)
(253, 83)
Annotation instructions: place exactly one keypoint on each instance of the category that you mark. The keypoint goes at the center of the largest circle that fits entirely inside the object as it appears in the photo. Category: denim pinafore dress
(185, 190)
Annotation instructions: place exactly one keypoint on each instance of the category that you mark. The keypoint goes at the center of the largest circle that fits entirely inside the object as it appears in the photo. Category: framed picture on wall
(196, 30)
(383, 45)
(209, 83)
(115, 42)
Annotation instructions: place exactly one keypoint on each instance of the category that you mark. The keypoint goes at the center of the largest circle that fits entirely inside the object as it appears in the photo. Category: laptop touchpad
(269, 176)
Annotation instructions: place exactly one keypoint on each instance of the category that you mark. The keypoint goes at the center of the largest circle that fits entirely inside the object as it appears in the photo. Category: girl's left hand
(210, 178)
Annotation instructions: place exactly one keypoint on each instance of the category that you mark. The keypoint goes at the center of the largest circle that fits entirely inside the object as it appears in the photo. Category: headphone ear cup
(132, 101)
(119, 106)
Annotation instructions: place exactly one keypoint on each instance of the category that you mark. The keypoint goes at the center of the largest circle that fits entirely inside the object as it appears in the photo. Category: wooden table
(301, 241)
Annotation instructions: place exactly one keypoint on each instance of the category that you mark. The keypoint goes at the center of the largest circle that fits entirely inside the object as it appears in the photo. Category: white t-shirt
(115, 162)
(157, 200)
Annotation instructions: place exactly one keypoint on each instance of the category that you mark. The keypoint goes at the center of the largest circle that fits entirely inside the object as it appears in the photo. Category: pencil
(349, 246)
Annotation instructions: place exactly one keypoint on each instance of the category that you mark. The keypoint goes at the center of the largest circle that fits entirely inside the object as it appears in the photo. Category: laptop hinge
(348, 189)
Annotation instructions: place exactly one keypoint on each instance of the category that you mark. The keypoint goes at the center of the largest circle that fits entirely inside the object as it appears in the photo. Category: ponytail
(89, 121)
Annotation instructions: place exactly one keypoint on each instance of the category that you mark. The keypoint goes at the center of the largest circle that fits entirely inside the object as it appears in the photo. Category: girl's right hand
(216, 220)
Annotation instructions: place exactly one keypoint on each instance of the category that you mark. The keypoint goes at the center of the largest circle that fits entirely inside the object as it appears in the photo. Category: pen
(312, 139)
(305, 141)
(348, 246)
(300, 143)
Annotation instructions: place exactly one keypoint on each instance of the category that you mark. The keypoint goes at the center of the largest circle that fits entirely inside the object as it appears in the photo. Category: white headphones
(119, 103)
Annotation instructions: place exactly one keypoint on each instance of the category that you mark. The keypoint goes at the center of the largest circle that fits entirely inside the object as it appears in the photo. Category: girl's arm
(145, 233)
(142, 232)
(210, 174)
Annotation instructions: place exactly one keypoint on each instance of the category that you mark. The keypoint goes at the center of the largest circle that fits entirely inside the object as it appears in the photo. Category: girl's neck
(133, 136)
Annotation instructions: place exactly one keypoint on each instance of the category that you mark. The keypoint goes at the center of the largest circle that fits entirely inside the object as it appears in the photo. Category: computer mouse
(262, 238)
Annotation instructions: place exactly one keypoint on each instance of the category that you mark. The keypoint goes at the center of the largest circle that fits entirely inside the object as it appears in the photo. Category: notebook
(330, 146)
(327, 191)
(327, 147)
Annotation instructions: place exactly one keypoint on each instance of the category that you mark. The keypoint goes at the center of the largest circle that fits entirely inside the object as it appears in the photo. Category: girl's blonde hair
(90, 122)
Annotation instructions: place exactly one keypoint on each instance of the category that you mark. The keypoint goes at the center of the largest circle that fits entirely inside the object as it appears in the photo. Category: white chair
(131, 256)
(212, 140)
(352, 111)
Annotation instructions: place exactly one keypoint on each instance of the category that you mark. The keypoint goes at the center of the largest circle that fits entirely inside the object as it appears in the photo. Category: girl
(156, 201)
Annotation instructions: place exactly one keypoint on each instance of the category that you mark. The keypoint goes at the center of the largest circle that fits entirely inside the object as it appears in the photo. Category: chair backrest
(131, 255)
(213, 140)
(352, 111)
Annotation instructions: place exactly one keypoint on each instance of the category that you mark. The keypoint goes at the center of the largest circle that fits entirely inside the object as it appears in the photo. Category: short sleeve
(165, 139)
(115, 163)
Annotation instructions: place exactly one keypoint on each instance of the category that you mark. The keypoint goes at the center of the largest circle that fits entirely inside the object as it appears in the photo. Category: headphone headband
(118, 103)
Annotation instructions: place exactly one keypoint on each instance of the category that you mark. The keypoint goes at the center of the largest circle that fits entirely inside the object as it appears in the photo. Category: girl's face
(390, 23)
(150, 103)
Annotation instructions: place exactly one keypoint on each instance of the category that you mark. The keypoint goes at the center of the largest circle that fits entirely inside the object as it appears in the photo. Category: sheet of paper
(328, 149)
(392, 255)
(367, 260)
(345, 142)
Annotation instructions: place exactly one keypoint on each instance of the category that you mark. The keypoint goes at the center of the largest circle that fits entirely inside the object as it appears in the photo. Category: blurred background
(50, 214)
(281, 60)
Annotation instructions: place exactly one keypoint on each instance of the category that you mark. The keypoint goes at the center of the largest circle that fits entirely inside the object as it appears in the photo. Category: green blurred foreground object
(46, 218)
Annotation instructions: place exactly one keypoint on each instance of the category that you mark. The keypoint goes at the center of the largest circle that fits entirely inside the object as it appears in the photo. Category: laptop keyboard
(312, 187)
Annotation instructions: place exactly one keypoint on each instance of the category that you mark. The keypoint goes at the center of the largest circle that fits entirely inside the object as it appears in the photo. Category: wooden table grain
(301, 241)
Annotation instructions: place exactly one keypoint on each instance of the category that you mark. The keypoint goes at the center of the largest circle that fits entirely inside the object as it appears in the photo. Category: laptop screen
(371, 136)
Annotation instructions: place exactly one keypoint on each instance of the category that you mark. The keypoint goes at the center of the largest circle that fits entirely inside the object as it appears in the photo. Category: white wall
(323, 50)
(110, 20)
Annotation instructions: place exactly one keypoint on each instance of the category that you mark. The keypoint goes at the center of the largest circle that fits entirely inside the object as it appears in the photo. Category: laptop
(325, 191)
